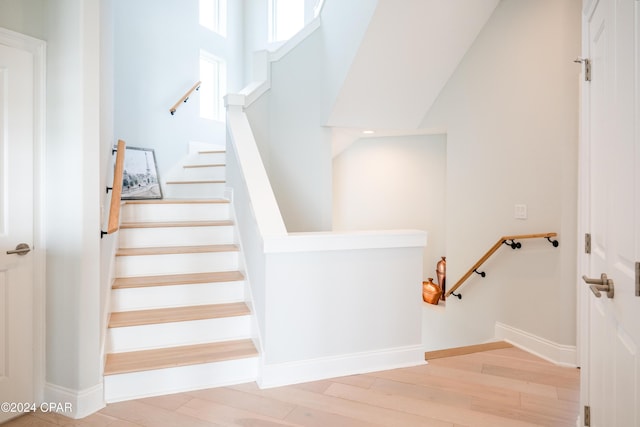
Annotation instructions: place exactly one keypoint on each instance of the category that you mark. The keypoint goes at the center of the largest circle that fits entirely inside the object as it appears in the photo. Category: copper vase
(441, 273)
(431, 292)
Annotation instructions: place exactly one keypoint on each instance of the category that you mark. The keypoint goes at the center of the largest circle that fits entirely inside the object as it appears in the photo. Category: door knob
(21, 249)
(603, 284)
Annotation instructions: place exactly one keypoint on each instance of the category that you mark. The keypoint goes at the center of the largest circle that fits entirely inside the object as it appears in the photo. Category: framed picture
(140, 175)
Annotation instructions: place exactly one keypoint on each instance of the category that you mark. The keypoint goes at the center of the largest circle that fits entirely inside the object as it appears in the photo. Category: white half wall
(335, 308)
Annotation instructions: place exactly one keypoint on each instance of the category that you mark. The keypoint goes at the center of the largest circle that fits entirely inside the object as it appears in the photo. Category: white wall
(304, 85)
(511, 112)
(74, 360)
(394, 182)
(23, 16)
(341, 308)
(72, 193)
(356, 309)
(157, 52)
(256, 30)
(109, 243)
(407, 55)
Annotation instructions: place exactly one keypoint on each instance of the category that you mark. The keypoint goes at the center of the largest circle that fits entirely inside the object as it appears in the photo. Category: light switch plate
(520, 211)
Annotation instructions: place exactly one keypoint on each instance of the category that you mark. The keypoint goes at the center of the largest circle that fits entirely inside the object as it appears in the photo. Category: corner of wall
(74, 404)
(560, 354)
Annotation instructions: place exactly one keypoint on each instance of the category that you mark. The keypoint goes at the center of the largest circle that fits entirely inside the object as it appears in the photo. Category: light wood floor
(502, 387)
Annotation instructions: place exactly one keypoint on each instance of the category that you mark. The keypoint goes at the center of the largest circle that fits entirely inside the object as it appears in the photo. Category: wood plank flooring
(501, 387)
(458, 351)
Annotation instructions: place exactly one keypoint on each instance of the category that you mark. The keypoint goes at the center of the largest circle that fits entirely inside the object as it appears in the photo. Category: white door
(611, 213)
(16, 226)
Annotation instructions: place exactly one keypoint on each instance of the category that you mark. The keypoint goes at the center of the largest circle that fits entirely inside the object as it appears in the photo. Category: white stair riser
(149, 265)
(160, 335)
(207, 159)
(175, 236)
(209, 172)
(177, 295)
(194, 191)
(138, 385)
(175, 212)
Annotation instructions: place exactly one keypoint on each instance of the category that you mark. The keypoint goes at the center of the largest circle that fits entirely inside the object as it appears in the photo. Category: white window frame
(213, 15)
(275, 25)
(213, 86)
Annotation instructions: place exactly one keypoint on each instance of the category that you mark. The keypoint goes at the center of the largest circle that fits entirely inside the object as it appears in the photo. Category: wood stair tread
(167, 250)
(204, 165)
(216, 223)
(176, 279)
(200, 181)
(177, 314)
(175, 201)
(144, 360)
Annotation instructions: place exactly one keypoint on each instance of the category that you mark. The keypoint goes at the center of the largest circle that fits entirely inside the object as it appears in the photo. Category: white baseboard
(73, 403)
(275, 375)
(560, 354)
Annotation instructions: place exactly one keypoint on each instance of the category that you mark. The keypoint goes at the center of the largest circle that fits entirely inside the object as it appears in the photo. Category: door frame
(37, 48)
(584, 183)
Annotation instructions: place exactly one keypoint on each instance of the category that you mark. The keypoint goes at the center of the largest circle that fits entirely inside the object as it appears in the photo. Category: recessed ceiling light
(368, 132)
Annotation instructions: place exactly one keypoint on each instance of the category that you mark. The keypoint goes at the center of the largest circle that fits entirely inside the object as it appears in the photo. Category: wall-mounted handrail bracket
(554, 242)
(513, 244)
(108, 189)
(481, 273)
(506, 240)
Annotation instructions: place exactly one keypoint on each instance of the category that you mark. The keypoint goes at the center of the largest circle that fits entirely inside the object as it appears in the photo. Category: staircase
(179, 320)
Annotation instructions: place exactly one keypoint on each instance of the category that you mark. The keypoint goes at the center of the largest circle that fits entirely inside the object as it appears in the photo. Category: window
(213, 15)
(286, 18)
(213, 75)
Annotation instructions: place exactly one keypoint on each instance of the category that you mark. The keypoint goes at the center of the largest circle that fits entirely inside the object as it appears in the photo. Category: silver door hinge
(587, 67)
(638, 279)
(587, 416)
(587, 243)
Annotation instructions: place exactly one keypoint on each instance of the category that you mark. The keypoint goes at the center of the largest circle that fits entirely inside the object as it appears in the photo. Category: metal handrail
(503, 240)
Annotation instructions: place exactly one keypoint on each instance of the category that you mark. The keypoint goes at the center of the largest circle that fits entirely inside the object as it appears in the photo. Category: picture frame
(140, 180)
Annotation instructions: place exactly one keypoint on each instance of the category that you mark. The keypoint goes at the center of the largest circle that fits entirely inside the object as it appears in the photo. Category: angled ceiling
(408, 53)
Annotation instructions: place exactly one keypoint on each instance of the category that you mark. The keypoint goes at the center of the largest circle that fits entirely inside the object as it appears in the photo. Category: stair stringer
(256, 336)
